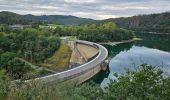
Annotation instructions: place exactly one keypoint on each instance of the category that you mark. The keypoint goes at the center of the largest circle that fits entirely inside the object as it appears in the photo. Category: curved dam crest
(82, 72)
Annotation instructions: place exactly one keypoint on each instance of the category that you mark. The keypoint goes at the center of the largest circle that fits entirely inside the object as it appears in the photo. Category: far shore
(120, 42)
(159, 33)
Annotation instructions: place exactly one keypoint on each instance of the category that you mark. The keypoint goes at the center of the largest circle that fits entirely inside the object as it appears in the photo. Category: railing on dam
(97, 60)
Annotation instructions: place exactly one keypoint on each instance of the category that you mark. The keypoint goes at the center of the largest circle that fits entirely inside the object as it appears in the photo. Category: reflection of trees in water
(114, 50)
(158, 41)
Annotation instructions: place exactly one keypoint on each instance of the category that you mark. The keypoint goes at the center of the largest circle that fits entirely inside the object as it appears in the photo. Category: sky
(95, 9)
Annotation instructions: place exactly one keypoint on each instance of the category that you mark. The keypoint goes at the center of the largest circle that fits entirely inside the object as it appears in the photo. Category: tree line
(147, 23)
(10, 18)
(97, 33)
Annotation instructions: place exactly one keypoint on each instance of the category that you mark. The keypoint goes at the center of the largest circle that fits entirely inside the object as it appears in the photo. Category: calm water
(153, 49)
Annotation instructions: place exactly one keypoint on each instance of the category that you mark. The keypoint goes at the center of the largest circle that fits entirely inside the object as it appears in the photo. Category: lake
(153, 49)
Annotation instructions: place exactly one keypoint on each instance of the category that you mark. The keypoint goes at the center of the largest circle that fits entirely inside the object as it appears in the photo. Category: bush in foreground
(145, 83)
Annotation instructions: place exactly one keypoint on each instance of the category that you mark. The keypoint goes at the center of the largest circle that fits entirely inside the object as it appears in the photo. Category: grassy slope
(60, 60)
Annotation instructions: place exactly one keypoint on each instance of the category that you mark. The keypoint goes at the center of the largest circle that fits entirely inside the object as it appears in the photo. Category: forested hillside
(61, 19)
(13, 18)
(151, 23)
(10, 18)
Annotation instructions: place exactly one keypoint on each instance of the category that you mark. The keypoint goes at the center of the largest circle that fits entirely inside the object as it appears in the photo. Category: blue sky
(96, 9)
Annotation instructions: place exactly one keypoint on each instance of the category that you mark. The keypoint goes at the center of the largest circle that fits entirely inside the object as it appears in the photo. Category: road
(36, 67)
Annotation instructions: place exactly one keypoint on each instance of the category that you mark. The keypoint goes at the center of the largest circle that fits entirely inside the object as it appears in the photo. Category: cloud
(96, 9)
(80, 1)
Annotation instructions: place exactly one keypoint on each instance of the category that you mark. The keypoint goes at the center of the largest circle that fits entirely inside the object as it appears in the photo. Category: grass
(60, 60)
(38, 91)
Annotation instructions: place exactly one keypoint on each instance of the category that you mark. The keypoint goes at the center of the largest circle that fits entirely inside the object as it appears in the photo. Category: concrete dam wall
(82, 72)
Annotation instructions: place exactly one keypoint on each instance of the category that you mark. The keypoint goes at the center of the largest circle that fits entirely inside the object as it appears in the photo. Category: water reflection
(118, 48)
(136, 56)
(153, 49)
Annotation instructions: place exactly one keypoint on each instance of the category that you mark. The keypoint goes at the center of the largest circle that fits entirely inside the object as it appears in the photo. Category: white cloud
(96, 9)
(46, 7)
(125, 8)
(80, 1)
(107, 16)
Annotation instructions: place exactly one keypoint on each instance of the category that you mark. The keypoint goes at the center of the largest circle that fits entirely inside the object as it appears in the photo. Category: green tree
(5, 58)
(17, 68)
(146, 83)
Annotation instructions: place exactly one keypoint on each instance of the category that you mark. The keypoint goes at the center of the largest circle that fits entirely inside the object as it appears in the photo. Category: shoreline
(120, 42)
(159, 33)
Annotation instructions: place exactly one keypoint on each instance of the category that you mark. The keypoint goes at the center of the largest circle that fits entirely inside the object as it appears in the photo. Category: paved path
(36, 67)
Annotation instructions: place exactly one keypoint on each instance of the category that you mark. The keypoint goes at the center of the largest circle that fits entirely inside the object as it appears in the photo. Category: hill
(61, 19)
(151, 23)
(13, 18)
